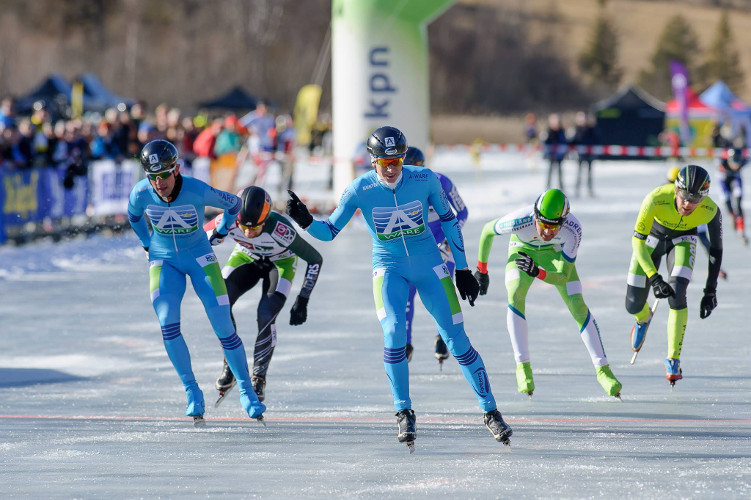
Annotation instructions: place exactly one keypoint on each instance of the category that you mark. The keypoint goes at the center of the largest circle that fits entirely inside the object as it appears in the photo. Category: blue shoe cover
(195, 402)
(250, 403)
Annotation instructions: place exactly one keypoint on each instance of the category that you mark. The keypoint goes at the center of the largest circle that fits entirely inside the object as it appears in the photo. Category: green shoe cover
(524, 379)
(608, 381)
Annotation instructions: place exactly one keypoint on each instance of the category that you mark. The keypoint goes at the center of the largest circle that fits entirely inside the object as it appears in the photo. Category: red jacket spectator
(204, 143)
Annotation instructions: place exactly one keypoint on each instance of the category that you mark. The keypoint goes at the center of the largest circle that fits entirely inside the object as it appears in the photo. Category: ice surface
(90, 406)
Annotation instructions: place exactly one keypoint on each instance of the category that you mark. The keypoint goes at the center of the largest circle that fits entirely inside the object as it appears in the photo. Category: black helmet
(387, 142)
(256, 206)
(414, 157)
(692, 183)
(158, 156)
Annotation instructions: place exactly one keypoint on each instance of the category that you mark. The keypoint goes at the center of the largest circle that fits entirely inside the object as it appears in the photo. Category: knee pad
(633, 305)
(678, 301)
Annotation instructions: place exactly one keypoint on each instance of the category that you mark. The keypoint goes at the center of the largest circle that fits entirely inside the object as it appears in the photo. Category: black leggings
(240, 281)
(636, 297)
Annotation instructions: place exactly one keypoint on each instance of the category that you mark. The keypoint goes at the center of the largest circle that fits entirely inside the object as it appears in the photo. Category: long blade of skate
(223, 394)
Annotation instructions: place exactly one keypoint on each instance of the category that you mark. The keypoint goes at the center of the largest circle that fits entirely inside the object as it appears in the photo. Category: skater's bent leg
(390, 292)
(439, 296)
(517, 286)
(571, 293)
(210, 288)
(636, 302)
(268, 309)
(167, 286)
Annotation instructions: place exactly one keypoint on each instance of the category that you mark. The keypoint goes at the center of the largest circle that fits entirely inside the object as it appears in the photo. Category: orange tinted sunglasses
(252, 228)
(389, 162)
(545, 225)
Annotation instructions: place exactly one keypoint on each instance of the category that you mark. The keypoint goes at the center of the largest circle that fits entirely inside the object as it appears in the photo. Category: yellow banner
(76, 100)
(306, 112)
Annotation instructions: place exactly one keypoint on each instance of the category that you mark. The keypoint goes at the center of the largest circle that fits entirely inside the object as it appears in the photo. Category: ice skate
(524, 381)
(195, 406)
(252, 405)
(500, 430)
(673, 370)
(741, 230)
(407, 430)
(608, 381)
(408, 351)
(259, 386)
(224, 383)
(441, 351)
(639, 331)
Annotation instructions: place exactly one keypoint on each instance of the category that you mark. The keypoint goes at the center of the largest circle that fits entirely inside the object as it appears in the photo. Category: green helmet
(552, 207)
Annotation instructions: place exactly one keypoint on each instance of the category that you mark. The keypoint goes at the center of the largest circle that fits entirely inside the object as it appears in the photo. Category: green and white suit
(556, 259)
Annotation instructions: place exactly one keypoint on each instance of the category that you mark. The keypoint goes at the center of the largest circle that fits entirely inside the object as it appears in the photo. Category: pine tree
(599, 59)
(723, 61)
(678, 42)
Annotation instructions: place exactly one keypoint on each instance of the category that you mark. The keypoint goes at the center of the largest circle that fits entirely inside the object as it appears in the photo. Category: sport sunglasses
(545, 225)
(252, 228)
(161, 175)
(690, 197)
(389, 162)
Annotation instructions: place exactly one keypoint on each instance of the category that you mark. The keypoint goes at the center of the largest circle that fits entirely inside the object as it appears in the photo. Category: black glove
(661, 289)
(526, 264)
(299, 312)
(298, 211)
(708, 303)
(484, 280)
(216, 238)
(467, 285)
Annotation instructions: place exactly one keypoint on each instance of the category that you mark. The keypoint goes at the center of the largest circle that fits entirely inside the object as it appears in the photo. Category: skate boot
(639, 333)
(524, 381)
(673, 370)
(441, 350)
(259, 385)
(406, 425)
(608, 381)
(408, 351)
(226, 380)
(500, 430)
(739, 227)
(252, 405)
(195, 406)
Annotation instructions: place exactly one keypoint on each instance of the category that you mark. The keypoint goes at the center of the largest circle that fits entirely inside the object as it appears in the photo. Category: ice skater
(544, 243)
(732, 189)
(266, 250)
(666, 226)
(395, 199)
(177, 247)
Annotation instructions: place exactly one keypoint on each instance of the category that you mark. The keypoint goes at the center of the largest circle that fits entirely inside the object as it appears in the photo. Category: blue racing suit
(434, 223)
(177, 247)
(404, 254)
